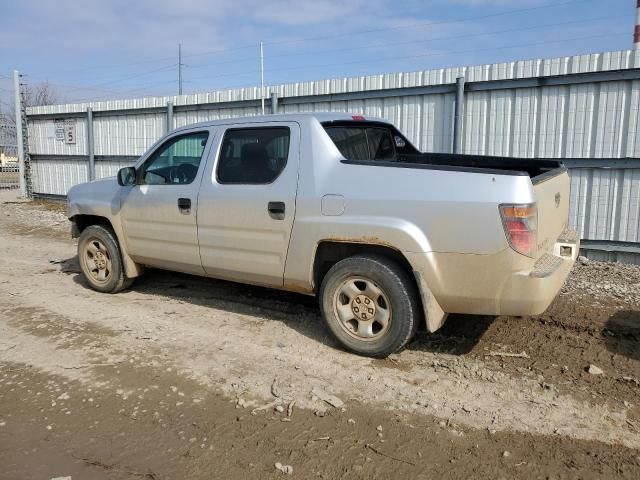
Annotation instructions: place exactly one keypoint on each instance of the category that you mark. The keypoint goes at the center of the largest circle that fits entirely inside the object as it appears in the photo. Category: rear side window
(352, 142)
(380, 144)
(363, 143)
(253, 155)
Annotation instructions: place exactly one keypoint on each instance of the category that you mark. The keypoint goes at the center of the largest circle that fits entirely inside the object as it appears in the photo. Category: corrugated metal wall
(606, 203)
(547, 121)
(127, 134)
(57, 176)
(582, 120)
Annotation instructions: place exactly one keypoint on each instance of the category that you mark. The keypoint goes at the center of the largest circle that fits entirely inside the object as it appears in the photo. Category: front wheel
(370, 304)
(100, 260)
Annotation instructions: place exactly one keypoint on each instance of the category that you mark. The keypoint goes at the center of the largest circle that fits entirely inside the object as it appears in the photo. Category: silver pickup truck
(339, 206)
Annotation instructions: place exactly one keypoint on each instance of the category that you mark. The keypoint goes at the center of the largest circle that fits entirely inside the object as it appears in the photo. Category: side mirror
(126, 176)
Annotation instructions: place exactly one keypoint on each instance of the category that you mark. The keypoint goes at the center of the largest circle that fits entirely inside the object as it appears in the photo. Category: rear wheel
(101, 261)
(370, 304)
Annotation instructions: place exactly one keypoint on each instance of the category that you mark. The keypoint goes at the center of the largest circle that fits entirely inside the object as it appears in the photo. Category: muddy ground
(183, 377)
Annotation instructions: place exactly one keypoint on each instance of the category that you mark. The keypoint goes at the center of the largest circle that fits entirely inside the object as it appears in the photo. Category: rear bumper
(531, 293)
(505, 283)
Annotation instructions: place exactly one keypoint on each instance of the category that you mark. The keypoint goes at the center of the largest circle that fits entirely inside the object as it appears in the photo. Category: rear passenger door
(246, 204)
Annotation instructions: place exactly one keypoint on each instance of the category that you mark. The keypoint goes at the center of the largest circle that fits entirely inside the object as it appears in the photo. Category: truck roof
(291, 117)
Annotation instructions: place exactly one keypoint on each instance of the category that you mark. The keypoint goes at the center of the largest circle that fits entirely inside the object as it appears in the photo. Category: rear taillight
(521, 225)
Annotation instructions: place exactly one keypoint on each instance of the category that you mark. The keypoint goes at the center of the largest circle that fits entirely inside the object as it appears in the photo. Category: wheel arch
(81, 221)
(329, 252)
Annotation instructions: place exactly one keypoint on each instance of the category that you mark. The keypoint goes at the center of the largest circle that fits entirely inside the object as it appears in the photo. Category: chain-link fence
(9, 177)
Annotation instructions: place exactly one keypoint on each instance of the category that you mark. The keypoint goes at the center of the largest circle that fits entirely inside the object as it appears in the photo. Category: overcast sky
(99, 49)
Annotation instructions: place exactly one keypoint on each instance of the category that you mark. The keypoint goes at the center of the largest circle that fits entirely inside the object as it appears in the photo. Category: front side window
(253, 155)
(175, 162)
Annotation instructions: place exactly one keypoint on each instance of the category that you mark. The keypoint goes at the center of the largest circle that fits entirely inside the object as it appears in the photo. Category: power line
(398, 27)
(433, 54)
(168, 67)
(129, 77)
(428, 24)
(451, 37)
(98, 87)
(405, 57)
(112, 65)
(149, 62)
(130, 91)
(228, 74)
(68, 86)
(410, 42)
(385, 59)
(340, 35)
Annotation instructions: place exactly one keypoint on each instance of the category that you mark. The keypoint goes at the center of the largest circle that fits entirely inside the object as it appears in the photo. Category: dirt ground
(184, 377)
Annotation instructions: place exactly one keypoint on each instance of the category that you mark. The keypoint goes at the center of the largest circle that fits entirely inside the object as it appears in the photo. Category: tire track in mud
(222, 342)
(457, 389)
(149, 422)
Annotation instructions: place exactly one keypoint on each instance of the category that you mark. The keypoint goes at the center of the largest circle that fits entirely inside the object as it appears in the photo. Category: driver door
(159, 212)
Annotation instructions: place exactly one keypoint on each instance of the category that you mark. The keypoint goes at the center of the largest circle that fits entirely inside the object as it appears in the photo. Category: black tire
(397, 289)
(115, 279)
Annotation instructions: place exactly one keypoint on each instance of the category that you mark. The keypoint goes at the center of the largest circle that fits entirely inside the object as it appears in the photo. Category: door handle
(276, 210)
(184, 205)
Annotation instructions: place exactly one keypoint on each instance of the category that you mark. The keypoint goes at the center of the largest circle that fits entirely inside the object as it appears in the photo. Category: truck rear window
(363, 143)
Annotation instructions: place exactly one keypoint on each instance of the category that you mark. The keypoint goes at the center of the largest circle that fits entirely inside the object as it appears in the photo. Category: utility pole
(262, 75)
(179, 69)
(17, 91)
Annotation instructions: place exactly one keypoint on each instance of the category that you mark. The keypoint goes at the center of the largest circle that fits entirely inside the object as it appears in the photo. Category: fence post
(90, 149)
(169, 116)
(274, 102)
(459, 109)
(19, 136)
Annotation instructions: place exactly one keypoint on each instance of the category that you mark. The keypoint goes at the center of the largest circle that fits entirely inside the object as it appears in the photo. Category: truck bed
(354, 149)
(534, 168)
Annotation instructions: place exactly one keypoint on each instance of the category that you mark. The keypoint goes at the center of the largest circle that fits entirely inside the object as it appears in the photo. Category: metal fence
(9, 178)
(584, 109)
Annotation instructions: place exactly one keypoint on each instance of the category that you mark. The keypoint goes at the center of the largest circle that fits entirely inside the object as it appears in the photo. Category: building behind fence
(584, 109)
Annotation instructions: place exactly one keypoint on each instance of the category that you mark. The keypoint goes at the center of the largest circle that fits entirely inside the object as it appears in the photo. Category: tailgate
(552, 197)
